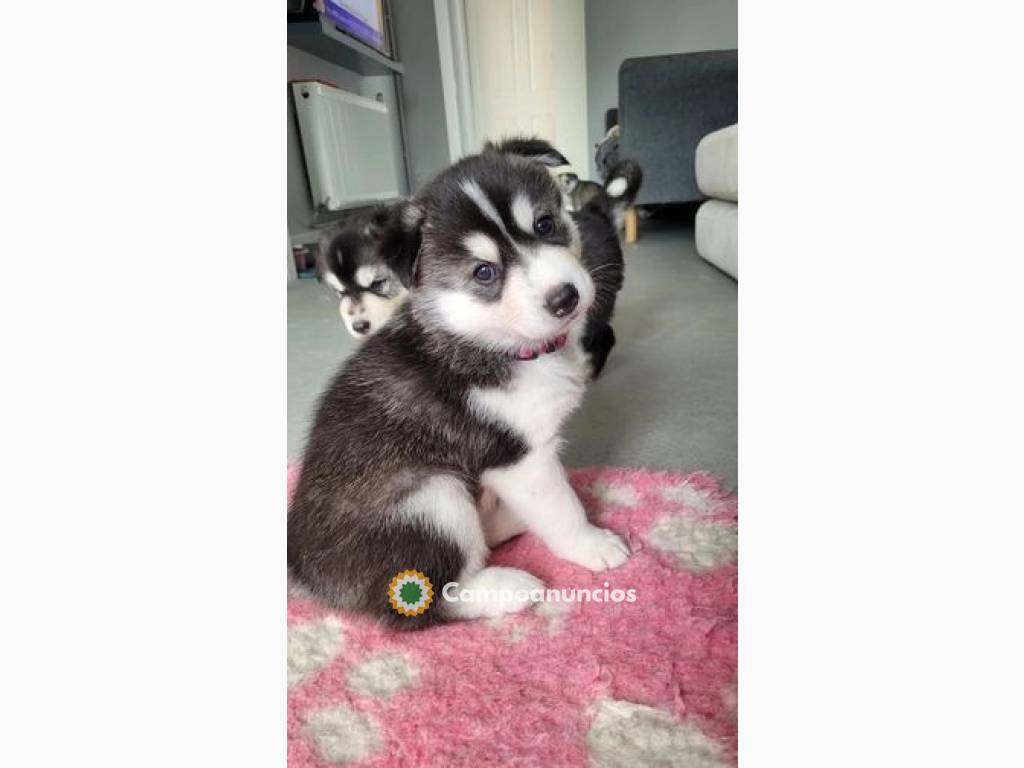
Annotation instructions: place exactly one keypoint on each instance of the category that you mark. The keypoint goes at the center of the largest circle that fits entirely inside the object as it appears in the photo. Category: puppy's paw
(597, 549)
(494, 591)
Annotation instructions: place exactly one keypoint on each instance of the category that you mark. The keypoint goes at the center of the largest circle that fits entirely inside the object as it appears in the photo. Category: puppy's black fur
(394, 415)
(346, 247)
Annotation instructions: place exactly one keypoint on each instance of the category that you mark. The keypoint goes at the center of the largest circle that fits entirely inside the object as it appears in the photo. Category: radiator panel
(347, 144)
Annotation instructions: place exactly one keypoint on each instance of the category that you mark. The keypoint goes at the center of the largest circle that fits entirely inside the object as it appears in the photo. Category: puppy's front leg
(537, 490)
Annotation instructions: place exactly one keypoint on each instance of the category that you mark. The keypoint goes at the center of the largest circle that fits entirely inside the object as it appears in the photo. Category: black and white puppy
(357, 260)
(598, 212)
(460, 397)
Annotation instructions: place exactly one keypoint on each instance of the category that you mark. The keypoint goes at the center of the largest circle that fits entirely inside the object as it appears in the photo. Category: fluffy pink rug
(649, 682)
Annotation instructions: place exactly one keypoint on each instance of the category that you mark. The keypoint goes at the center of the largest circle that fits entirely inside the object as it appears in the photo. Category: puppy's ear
(378, 221)
(532, 148)
(400, 240)
(328, 253)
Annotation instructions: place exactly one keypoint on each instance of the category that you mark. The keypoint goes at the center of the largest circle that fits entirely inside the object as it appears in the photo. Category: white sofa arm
(715, 233)
(716, 165)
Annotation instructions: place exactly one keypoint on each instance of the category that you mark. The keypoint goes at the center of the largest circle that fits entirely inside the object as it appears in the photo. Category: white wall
(619, 30)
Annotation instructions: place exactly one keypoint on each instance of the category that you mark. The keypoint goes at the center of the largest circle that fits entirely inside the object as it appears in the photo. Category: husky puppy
(357, 261)
(599, 213)
(461, 395)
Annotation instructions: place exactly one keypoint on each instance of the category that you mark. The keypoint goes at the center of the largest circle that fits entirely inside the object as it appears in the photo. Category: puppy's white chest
(540, 397)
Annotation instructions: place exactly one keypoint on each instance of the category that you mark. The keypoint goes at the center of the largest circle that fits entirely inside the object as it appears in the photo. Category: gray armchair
(667, 104)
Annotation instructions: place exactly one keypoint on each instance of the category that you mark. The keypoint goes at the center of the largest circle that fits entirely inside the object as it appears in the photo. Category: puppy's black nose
(361, 326)
(562, 300)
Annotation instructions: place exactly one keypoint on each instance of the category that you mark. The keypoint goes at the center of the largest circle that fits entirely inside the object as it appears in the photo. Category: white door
(528, 72)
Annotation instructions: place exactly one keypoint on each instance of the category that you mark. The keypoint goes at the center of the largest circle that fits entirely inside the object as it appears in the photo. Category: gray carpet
(667, 397)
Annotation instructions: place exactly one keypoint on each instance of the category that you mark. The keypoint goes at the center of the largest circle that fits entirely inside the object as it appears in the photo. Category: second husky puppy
(357, 261)
(463, 392)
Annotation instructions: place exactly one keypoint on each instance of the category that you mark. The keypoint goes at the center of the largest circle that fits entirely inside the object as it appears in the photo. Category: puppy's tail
(620, 190)
(622, 186)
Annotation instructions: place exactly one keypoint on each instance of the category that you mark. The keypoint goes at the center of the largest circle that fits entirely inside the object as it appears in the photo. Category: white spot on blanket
(383, 675)
(625, 735)
(311, 647)
(552, 614)
(556, 612)
(343, 735)
(690, 497)
(612, 493)
(697, 545)
(510, 627)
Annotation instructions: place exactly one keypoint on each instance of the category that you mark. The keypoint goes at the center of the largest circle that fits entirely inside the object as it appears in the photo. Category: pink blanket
(599, 681)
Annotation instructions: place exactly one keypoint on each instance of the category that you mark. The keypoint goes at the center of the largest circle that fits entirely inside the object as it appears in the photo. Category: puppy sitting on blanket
(461, 395)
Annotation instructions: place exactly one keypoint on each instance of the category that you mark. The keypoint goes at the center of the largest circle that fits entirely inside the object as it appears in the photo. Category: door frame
(456, 84)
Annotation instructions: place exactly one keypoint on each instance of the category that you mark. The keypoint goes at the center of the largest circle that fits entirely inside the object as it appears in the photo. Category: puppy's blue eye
(485, 273)
(544, 226)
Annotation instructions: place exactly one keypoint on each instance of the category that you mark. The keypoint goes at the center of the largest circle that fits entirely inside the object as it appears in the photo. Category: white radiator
(347, 143)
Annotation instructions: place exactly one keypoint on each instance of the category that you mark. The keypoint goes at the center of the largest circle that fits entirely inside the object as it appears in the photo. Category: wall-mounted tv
(365, 20)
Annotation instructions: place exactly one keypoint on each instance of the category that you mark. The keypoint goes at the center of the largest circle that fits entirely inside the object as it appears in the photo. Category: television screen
(363, 19)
